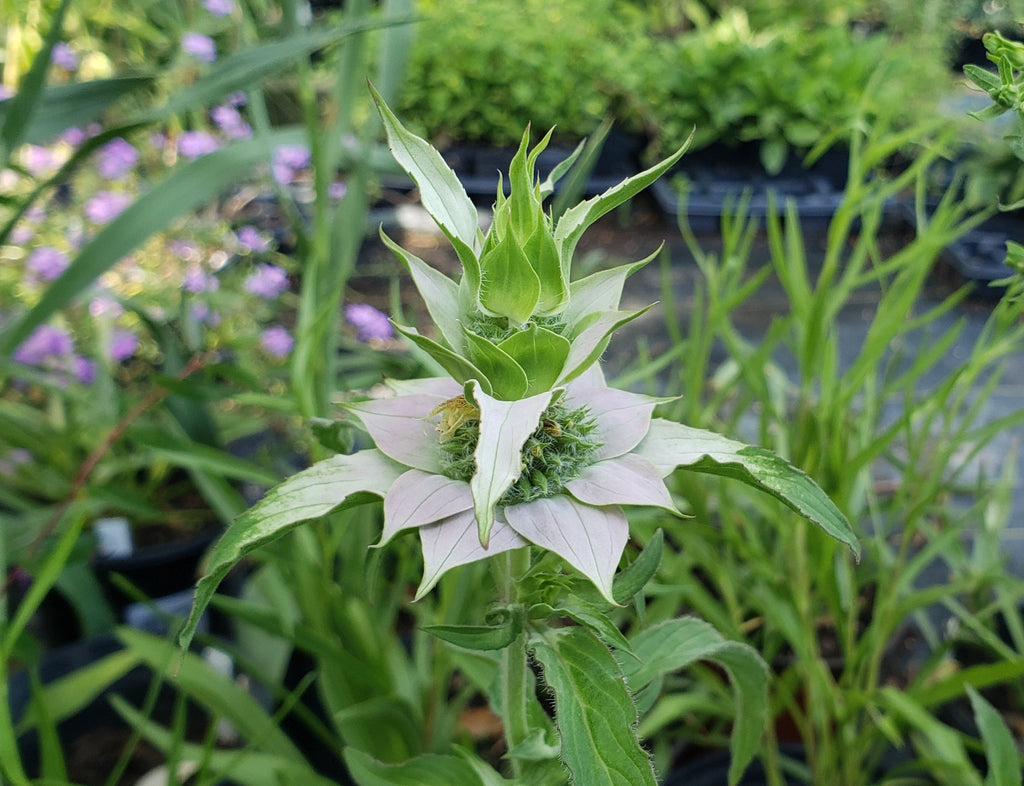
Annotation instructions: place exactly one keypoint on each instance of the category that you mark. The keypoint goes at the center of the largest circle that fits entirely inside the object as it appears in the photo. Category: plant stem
(516, 678)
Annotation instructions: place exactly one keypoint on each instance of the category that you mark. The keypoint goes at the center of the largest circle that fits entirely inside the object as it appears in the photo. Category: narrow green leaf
(600, 291)
(249, 766)
(309, 494)
(594, 713)
(61, 107)
(439, 293)
(587, 614)
(675, 644)
(540, 353)
(542, 254)
(218, 693)
(1004, 761)
(575, 221)
(495, 636)
(634, 577)
(23, 106)
(426, 770)
(455, 364)
(441, 192)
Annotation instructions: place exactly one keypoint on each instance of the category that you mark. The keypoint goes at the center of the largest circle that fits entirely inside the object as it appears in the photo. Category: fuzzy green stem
(516, 678)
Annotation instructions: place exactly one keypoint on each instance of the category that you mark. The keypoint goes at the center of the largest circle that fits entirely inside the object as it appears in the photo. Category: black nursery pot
(166, 570)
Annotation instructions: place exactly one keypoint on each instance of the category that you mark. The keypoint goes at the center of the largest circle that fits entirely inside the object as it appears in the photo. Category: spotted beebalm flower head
(522, 444)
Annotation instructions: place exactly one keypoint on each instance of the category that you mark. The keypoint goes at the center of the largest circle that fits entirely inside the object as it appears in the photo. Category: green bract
(515, 321)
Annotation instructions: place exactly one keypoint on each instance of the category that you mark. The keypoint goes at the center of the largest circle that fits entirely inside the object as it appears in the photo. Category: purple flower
(116, 159)
(63, 56)
(267, 281)
(337, 190)
(199, 46)
(106, 206)
(5, 92)
(369, 323)
(277, 341)
(238, 98)
(201, 312)
(13, 459)
(47, 262)
(198, 280)
(192, 144)
(251, 240)
(123, 344)
(45, 342)
(22, 234)
(37, 160)
(288, 160)
(158, 140)
(219, 7)
(230, 121)
(84, 369)
(104, 304)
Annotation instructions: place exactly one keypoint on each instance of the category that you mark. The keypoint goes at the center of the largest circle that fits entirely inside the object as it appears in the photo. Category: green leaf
(460, 369)
(495, 636)
(575, 220)
(314, 492)
(542, 254)
(76, 105)
(508, 380)
(185, 189)
(426, 770)
(1004, 761)
(600, 291)
(634, 577)
(588, 615)
(441, 192)
(221, 695)
(509, 287)
(21, 109)
(540, 353)
(249, 766)
(439, 292)
(669, 445)
(594, 713)
(675, 644)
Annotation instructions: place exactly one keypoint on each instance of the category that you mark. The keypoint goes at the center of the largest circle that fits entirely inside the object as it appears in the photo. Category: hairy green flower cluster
(562, 446)
(497, 329)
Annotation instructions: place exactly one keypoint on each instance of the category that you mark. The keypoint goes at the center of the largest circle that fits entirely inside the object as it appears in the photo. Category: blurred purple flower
(219, 7)
(230, 121)
(238, 98)
(5, 92)
(277, 341)
(105, 206)
(37, 159)
(198, 280)
(84, 369)
(158, 140)
(63, 56)
(337, 190)
(123, 344)
(185, 249)
(199, 46)
(116, 159)
(369, 323)
(267, 281)
(45, 342)
(34, 215)
(13, 459)
(288, 160)
(22, 234)
(47, 262)
(105, 305)
(201, 312)
(192, 144)
(252, 240)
